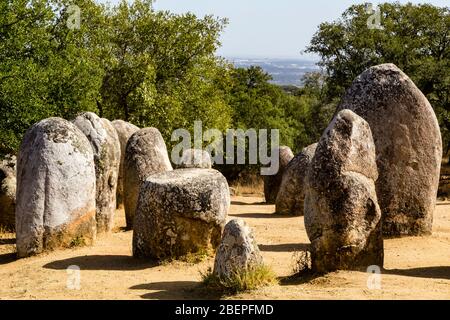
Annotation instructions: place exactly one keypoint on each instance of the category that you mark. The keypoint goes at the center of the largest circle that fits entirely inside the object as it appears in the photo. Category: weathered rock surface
(238, 250)
(444, 180)
(179, 212)
(194, 158)
(146, 154)
(124, 131)
(8, 192)
(291, 195)
(342, 215)
(55, 188)
(272, 183)
(106, 146)
(408, 144)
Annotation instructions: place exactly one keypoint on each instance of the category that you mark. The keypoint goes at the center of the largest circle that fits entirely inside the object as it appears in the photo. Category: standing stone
(238, 250)
(291, 196)
(194, 158)
(408, 144)
(444, 181)
(106, 146)
(8, 192)
(179, 212)
(272, 183)
(124, 131)
(55, 188)
(146, 154)
(342, 216)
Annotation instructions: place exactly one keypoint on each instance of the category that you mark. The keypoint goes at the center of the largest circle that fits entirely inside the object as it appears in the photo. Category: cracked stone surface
(8, 192)
(237, 251)
(179, 212)
(106, 147)
(55, 188)
(342, 215)
(408, 145)
(194, 158)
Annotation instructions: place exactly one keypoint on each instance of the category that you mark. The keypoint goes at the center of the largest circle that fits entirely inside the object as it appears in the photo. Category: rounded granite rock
(55, 204)
(145, 155)
(8, 192)
(342, 215)
(291, 196)
(408, 146)
(238, 250)
(272, 182)
(179, 212)
(194, 158)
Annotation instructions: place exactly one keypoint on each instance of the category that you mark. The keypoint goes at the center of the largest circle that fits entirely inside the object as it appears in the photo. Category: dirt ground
(415, 268)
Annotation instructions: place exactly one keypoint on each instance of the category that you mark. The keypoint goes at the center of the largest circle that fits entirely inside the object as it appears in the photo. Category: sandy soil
(415, 268)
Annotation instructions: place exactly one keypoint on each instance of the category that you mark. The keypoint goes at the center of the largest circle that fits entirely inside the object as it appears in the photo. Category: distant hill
(285, 72)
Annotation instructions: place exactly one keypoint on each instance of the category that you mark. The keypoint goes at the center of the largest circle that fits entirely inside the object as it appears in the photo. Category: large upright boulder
(146, 154)
(8, 192)
(55, 188)
(180, 212)
(106, 146)
(195, 158)
(408, 145)
(238, 250)
(272, 182)
(291, 195)
(342, 216)
(124, 131)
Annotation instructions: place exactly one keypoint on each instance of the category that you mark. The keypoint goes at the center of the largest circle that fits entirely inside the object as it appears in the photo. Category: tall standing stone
(106, 146)
(8, 192)
(124, 131)
(408, 144)
(342, 216)
(55, 188)
(146, 154)
(272, 183)
(291, 196)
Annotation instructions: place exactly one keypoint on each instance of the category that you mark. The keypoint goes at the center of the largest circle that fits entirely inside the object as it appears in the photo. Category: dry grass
(240, 280)
(249, 185)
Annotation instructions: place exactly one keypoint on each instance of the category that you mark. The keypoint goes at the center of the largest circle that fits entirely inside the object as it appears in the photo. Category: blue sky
(267, 28)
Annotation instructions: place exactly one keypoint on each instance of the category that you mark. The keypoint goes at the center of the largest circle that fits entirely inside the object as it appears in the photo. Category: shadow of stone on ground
(103, 262)
(177, 290)
(442, 272)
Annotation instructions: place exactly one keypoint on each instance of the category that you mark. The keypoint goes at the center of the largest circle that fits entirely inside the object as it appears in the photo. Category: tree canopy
(414, 37)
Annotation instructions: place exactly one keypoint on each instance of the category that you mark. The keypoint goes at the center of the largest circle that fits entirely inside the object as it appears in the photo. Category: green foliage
(161, 69)
(128, 61)
(45, 68)
(414, 37)
(240, 280)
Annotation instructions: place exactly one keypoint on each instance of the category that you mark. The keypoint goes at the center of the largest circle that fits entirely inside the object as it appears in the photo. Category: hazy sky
(267, 28)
